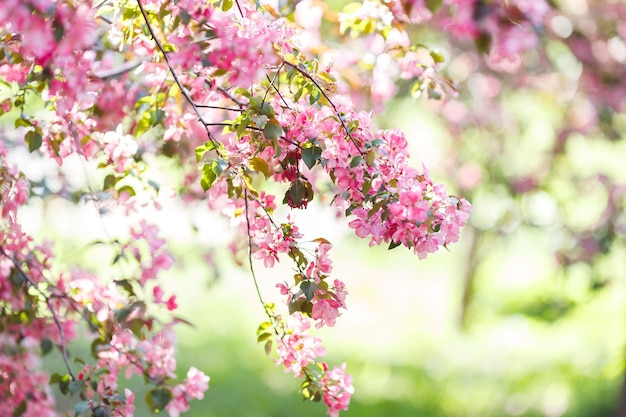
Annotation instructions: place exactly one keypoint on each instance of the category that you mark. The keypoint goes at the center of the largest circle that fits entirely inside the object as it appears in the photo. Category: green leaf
(46, 346)
(298, 94)
(308, 288)
(208, 177)
(260, 120)
(355, 161)
(81, 407)
(100, 411)
(202, 149)
(260, 165)
(158, 398)
(21, 409)
(122, 314)
(95, 345)
(55, 378)
(219, 165)
(272, 130)
(127, 189)
(314, 96)
(109, 182)
(434, 94)
(63, 381)
(59, 30)
(155, 185)
(22, 121)
(76, 386)
(296, 304)
(311, 155)
(263, 337)
(256, 103)
(483, 42)
(267, 110)
(16, 277)
(242, 126)
(239, 91)
(263, 327)
(434, 5)
(136, 326)
(394, 245)
(268, 347)
(437, 57)
(33, 139)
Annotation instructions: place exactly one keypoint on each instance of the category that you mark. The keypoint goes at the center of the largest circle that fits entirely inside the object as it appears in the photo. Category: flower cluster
(298, 352)
(222, 85)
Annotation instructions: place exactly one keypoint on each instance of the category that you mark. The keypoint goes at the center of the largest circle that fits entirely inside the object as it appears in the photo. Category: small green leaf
(394, 245)
(483, 42)
(55, 378)
(260, 120)
(437, 56)
(311, 155)
(314, 96)
(308, 288)
(208, 177)
(109, 182)
(263, 327)
(434, 5)
(434, 94)
(136, 326)
(127, 189)
(202, 149)
(260, 165)
(20, 410)
(355, 161)
(122, 314)
(63, 381)
(268, 347)
(263, 337)
(272, 130)
(81, 407)
(33, 139)
(76, 386)
(46, 346)
(239, 91)
(242, 126)
(158, 398)
(59, 30)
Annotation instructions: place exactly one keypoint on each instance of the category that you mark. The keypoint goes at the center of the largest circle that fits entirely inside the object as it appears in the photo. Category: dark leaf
(158, 398)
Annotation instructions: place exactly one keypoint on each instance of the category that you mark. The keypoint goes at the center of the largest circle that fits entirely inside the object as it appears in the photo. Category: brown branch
(228, 95)
(55, 318)
(310, 78)
(183, 90)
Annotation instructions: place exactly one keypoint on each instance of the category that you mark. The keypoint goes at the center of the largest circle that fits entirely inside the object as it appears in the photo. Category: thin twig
(183, 90)
(309, 77)
(239, 7)
(256, 284)
(114, 72)
(55, 318)
(228, 95)
(207, 106)
(272, 82)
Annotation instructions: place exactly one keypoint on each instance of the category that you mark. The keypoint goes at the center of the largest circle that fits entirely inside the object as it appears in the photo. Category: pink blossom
(337, 390)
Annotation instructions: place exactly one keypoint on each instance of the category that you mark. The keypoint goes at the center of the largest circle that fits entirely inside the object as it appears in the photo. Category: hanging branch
(47, 298)
(310, 78)
(184, 91)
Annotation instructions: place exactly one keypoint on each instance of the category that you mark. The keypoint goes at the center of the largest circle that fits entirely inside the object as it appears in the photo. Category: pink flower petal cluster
(297, 349)
(245, 45)
(193, 387)
(337, 390)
